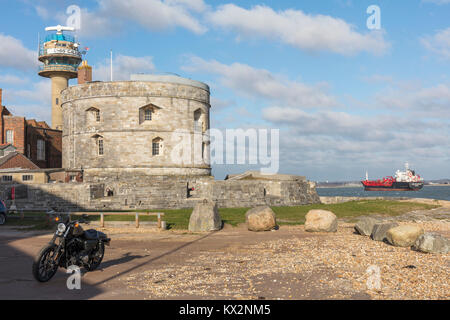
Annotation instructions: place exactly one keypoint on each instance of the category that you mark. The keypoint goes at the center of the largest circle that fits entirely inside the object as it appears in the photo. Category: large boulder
(321, 221)
(365, 225)
(404, 235)
(261, 219)
(379, 230)
(205, 217)
(432, 243)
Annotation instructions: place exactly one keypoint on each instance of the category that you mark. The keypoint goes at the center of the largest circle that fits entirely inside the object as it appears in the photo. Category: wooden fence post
(137, 219)
(102, 220)
(159, 220)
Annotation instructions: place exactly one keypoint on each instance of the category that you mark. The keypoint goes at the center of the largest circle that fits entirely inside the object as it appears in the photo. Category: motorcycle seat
(93, 234)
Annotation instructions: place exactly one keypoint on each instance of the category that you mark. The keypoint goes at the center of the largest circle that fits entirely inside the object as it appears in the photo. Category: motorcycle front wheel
(44, 265)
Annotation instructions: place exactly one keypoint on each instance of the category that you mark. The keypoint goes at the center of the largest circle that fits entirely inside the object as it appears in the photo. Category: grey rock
(261, 219)
(380, 229)
(432, 243)
(321, 221)
(205, 217)
(365, 225)
(404, 235)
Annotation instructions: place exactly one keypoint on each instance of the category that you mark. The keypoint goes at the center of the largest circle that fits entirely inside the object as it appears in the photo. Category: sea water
(429, 192)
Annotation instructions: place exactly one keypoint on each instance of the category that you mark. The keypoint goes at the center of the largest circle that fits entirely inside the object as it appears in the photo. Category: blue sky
(345, 98)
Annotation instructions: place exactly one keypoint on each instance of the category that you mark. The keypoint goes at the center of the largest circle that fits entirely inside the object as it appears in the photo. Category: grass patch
(179, 218)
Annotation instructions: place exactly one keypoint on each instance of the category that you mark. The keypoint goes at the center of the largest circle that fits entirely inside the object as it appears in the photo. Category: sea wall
(338, 199)
(159, 192)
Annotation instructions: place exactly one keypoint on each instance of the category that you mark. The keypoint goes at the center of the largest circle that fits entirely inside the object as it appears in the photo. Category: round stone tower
(152, 125)
(61, 57)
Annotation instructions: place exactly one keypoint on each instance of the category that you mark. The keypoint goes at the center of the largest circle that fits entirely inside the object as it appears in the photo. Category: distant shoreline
(343, 186)
(357, 186)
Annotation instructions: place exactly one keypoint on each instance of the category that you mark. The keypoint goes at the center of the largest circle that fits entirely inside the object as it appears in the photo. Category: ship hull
(396, 186)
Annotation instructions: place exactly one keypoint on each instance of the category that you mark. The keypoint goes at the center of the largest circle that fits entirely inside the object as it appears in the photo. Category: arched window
(157, 145)
(199, 120)
(99, 144)
(93, 115)
(146, 113)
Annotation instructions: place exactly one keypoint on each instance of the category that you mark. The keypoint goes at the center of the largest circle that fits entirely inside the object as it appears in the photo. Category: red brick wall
(53, 146)
(17, 124)
(26, 134)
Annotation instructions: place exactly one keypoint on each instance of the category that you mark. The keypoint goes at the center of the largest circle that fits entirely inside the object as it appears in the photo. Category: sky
(346, 98)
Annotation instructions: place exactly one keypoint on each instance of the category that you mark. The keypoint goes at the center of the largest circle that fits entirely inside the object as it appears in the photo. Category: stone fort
(120, 146)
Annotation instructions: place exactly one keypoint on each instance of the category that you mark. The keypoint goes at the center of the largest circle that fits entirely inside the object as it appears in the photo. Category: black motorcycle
(70, 245)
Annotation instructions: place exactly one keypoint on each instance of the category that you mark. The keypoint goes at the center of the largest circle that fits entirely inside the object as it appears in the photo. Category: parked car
(3, 212)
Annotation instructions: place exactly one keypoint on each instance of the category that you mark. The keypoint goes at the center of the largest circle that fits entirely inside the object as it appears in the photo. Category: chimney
(84, 73)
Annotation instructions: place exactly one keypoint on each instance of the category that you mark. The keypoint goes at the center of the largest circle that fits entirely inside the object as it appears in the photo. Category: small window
(148, 114)
(100, 146)
(155, 148)
(10, 136)
(57, 101)
(7, 178)
(27, 177)
(93, 115)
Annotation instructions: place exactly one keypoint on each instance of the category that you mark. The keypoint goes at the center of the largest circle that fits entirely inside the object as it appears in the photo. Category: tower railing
(59, 67)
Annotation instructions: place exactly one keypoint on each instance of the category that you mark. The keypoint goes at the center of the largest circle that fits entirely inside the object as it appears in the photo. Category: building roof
(5, 145)
(5, 111)
(37, 124)
(256, 175)
(169, 78)
(26, 163)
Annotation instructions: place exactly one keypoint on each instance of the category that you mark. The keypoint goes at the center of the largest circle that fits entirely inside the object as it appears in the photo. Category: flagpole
(111, 66)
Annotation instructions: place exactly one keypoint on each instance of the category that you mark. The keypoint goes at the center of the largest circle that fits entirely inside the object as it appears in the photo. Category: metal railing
(58, 67)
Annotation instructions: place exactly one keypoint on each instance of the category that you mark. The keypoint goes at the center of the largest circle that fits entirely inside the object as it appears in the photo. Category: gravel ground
(325, 265)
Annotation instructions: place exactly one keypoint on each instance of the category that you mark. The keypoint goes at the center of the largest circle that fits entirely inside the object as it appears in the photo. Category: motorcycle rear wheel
(44, 266)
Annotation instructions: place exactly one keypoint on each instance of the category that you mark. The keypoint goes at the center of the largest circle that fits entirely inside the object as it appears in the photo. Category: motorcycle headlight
(61, 228)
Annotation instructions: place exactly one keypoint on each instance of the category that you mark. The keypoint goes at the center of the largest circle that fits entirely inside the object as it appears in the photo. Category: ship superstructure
(403, 181)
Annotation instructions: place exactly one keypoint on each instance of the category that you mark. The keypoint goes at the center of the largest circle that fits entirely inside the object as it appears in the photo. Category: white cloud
(37, 93)
(437, 1)
(260, 83)
(296, 28)
(14, 54)
(42, 12)
(96, 24)
(33, 102)
(339, 145)
(221, 104)
(195, 5)
(32, 111)
(155, 14)
(427, 102)
(113, 16)
(438, 43)
(123, 67)
(12, 79)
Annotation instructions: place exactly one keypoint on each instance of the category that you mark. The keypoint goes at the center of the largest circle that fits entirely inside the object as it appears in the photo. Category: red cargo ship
(403, 181)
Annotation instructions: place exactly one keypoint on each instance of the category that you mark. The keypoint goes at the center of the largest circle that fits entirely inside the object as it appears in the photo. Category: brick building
(34, 139)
